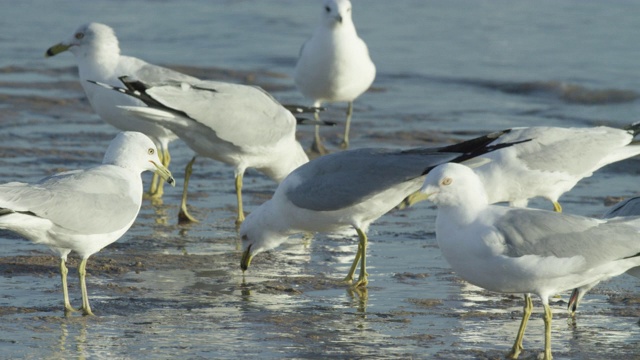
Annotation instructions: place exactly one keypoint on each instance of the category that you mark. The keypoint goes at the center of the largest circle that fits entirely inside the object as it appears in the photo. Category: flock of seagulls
(506, 249)
(349, 189)
(239, 125)
(97, 53)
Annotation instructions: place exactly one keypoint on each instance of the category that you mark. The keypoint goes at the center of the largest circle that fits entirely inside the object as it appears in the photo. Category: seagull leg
(82, 273)
(317, 146)
(156, 190)
(526, 313)
(155, 181)
(557, 207)
(347, 126)
(356, 260)
(547, 331)
(153, 188)
(362, 249)
(166, 159)
(573, 303)
(183, 215)
(68, 309)
(240, 218)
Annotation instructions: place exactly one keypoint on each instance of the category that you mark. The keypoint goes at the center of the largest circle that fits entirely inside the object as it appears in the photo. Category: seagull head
(88, 39)
(256, 234)
(335, 12)
(453, 184)
(134, 150)
(253, 243)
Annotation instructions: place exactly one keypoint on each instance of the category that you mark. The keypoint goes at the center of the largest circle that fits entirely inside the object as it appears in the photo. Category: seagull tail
(111, 87)
(478, 146)
(4, 211)
(315, 110)
(148, 113)
(306, 121)
(300, 109)
(135, 89)
(633, 128)
(138, 90)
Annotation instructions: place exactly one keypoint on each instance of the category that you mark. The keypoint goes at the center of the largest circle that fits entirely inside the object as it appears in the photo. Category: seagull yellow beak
(57, 49)
(426, 192)
(413, 199)
(164, 173)
(246, 259)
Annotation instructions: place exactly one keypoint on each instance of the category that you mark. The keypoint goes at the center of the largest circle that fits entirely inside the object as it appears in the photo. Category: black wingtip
(300, 109)
(477, 147)
(305, 121)
(133, 85)
(5, 211)
(634, 128)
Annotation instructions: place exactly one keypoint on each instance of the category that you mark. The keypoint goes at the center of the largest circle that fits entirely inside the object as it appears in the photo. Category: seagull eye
(151, 151)
(447, 181)
(79, 35)
(328, 9)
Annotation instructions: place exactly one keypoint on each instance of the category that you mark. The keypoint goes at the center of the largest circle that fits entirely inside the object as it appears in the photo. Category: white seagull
(334, 64)
(551, 163)
(349, 189)
(97, 52)
(527, 251)
(83, 210)
(239, 125)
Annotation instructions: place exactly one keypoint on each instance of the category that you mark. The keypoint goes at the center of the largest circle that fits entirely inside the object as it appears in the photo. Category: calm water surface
(446, 71)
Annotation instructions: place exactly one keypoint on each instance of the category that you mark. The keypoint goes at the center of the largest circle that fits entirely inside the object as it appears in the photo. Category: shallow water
(446, 71)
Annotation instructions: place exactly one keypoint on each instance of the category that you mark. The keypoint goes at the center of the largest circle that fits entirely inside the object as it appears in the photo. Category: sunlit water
(446, 71)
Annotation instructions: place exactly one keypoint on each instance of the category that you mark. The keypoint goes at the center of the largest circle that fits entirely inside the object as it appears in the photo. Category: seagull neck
(102, 60)
(347, 26)
(285, 164)
(463, 214)
(267, 226)
(341, 31)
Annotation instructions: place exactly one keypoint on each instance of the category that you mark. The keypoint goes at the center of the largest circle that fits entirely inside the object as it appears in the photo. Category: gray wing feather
(340, 180)
(227, 108)
(572, 150)
(70, 200)
(150, 73)
(545, 233)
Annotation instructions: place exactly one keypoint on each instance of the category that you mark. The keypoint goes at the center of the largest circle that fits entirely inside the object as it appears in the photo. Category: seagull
(239, 125)
(629, 207)
(551, 163)
(83, 210)
(527, 251)
(348, 189)
(334, 64)
(97, 52)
